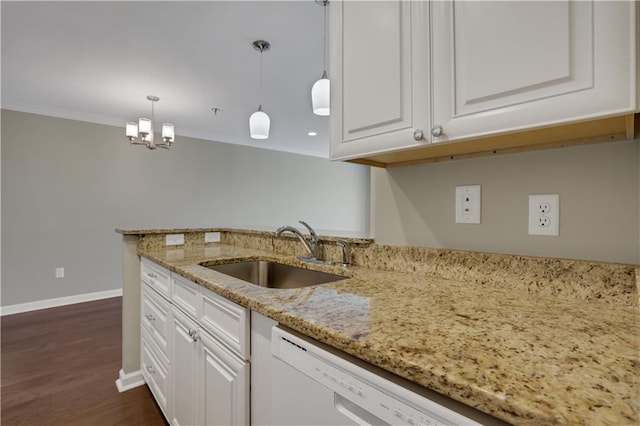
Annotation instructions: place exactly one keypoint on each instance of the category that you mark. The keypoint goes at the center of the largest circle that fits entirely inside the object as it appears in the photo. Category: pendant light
(320, 98)
(259, 122)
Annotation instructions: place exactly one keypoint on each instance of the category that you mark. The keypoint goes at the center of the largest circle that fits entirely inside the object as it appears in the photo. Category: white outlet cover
(59, 272)
(468, 204)
(211, 237)
(544, 214)
(174, 239)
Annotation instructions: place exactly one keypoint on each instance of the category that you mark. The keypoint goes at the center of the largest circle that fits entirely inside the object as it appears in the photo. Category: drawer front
(155, 372)
(186, 295)
(156, 276)
(227, 321)
(155, 318)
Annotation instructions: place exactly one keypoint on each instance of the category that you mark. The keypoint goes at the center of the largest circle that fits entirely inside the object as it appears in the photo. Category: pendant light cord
(260, 99)
(324, 36)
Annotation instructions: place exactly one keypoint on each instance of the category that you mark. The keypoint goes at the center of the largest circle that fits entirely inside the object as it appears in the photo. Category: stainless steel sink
(274, 275)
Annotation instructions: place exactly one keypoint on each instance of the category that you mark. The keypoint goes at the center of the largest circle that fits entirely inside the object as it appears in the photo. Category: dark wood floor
(59, 366)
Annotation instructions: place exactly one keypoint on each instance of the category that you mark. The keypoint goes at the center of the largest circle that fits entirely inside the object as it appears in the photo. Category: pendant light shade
(320, 92)
(259, 121)
(320, 96)
(259, 124)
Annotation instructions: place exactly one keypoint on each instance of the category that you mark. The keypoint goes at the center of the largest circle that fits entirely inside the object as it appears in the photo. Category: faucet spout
(310, 247)
(311, 244)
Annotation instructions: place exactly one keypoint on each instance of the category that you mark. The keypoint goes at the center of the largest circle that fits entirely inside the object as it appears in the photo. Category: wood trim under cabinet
(624, 127)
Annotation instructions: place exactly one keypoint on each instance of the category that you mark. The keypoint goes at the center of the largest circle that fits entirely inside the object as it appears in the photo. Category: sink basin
(274, 275)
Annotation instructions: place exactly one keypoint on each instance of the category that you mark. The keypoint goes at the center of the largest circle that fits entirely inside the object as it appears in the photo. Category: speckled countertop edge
(505, 407)
(152, 231)
(158, 231)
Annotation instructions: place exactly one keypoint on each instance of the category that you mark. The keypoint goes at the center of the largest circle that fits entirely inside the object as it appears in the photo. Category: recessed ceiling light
(312, 134)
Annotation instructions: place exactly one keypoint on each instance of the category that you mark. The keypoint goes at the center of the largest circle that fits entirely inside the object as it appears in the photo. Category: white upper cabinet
(499, 67)
(379, 76)
(492, 76)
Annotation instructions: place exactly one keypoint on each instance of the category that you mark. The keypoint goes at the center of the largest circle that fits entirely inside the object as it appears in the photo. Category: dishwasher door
(298, 399)
(316, 386)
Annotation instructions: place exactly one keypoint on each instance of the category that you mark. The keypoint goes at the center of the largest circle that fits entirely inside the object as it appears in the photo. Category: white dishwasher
(316, 386)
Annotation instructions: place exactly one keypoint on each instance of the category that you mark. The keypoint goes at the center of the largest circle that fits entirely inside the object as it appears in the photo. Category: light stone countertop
(523, 358)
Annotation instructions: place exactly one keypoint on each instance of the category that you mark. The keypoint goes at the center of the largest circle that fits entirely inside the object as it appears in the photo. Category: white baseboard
(59, 301)
(129, 380)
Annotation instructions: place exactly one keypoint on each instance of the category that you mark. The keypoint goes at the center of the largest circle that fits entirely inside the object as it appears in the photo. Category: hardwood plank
(59, 366)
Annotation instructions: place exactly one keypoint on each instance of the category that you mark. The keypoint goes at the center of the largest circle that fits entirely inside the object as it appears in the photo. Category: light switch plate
(468, 204)
(174, 239)
(544, 214)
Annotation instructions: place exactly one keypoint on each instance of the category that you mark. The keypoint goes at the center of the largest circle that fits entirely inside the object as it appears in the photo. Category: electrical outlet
(211, 237)
(468, 204)
(59, 272)
(544, 214)
(174, 239)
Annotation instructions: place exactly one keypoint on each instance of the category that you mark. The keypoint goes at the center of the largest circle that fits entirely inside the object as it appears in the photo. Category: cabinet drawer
(227, 321)
(156, 276)
(186, 295)
(155, 372)
(155, 318)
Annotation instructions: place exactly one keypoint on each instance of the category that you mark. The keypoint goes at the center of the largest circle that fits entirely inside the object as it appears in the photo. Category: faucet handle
(314, 236)
(346, 252)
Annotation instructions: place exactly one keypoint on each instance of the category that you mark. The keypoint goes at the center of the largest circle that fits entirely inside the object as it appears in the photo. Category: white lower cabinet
(194, 350)
(224, 384)
(155, 371)
(183, 357)
(210, 383)
(154, 357)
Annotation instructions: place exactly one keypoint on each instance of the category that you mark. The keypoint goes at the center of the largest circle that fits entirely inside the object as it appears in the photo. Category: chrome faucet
(310, 244)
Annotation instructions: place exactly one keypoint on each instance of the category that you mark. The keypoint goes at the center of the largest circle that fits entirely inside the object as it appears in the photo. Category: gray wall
(599, 188)
(66, 185)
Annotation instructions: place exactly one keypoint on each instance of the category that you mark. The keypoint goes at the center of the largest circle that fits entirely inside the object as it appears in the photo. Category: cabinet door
(499, 67)
(379, 76)
(224, 385)
(184, 363)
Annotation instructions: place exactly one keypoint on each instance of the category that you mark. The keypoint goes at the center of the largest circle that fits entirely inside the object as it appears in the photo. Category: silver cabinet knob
(436, 130)
(418, 134)
(194, 335)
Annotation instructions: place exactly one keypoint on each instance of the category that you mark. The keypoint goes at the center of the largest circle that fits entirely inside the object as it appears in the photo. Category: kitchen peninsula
(526, 340)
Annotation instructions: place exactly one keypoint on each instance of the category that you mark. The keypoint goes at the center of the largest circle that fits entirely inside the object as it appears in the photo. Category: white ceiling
(97, 62)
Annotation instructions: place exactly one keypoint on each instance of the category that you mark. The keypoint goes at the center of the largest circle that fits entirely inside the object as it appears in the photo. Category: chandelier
(142, 133)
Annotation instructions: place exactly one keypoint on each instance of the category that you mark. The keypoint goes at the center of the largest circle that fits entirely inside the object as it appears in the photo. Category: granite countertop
(523, 358)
